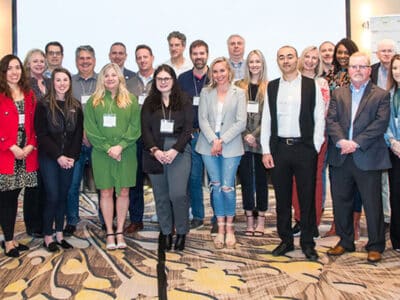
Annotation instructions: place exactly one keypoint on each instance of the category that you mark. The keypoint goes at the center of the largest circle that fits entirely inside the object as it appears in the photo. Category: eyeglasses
(358, 67)
(162, 80)
(54, 53)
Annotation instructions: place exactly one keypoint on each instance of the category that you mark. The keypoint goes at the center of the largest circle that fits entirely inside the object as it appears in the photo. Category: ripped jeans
(222, 172)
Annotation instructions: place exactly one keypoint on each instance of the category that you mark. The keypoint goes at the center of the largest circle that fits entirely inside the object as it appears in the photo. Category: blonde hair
(221, 59)
(123, 98)
(300, 63)
(262, 81)
(27, 60)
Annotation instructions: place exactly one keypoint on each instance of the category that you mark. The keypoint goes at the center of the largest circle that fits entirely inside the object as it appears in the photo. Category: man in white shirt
(292, 132)
(177, 45)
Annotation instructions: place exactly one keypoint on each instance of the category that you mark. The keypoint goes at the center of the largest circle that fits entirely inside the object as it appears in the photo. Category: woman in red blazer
(18, 154)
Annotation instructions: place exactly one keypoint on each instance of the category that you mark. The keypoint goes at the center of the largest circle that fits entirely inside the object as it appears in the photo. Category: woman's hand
(216, 148)
(17, 151)
(115, 152)
(170, 155)
(65, 162)
(160, 156)
(250, 140)
(27, 150)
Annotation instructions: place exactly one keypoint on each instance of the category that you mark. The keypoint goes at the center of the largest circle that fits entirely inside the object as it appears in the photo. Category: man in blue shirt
(192, 83)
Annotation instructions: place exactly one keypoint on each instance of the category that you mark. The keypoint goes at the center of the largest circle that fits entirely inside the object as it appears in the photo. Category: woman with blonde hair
(112, 125)
(252, 173)
(222, 119)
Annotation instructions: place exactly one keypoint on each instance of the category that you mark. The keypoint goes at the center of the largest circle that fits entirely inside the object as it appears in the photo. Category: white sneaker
(154, 218)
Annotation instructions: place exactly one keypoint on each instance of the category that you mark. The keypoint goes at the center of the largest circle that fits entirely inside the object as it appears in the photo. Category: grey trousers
(170, 191)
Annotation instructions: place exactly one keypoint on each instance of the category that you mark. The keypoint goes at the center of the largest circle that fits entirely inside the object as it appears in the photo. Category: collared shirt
(356, 95)
(139, 85)
(382, 77)
(83, 87)
(288, 106)
(193, 85)
(145, 80)
(238, 69)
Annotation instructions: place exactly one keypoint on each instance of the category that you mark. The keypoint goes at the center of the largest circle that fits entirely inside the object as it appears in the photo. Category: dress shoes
(165, 241)
(64, 244)
(133, 227)
(374, 256)
(282, 249)
(20, 247)
(180, 242)
(52, 247)
(338, 250)
(69, 230)
(12, 253)
(310, 253)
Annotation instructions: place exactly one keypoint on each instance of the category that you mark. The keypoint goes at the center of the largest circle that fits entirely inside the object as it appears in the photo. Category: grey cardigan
(234, 116)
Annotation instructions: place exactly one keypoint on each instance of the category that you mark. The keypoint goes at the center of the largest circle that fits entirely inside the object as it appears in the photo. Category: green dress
(107, 171)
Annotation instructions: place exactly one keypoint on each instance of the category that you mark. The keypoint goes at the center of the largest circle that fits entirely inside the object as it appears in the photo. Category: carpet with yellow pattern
(199, 272)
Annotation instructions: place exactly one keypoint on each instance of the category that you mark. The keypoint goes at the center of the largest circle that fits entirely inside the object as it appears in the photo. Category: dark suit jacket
(374, 72)
(128, 74)
(370, 124)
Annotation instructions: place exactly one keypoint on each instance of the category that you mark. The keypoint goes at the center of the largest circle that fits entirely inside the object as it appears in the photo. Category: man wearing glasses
(358, 117)
(54, 56)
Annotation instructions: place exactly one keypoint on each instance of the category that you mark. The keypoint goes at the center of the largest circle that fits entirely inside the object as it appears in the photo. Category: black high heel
(20, 247)
(180, 242)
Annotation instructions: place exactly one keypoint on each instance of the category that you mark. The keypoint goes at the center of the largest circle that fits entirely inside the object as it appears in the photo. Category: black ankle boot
(168, 242)
(180, 242)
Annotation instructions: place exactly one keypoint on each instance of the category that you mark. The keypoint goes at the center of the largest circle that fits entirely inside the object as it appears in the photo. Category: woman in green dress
(112, 125)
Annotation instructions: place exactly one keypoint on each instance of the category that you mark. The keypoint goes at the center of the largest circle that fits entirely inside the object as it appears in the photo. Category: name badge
(21, 119)
(109, 120)
(252, 107)
(84, 99)
(196, 100)
(167, 126)
(142, 98)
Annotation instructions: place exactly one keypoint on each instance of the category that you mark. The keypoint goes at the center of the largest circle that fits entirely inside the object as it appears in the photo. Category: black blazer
(374, 72)
(369, 126)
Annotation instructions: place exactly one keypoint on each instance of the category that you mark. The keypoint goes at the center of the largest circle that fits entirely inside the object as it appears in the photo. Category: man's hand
(347, 146)
(268, 161)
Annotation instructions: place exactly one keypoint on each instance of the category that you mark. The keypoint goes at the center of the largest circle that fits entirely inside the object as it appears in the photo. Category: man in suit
(379, 75)
(118, 56)
(292, 132)
(358, 117)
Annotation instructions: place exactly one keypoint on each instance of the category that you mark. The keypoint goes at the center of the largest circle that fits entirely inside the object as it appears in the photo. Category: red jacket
(9, 132)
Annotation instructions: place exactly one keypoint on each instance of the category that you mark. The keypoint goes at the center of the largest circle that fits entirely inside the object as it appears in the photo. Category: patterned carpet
(199, 272)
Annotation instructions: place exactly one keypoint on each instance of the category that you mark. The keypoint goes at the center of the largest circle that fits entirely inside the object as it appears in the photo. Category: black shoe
(20, 247)
(282, 249)
(196, 224)
(296, 230)
(310, 253)
(214, 229)
(165, 241)
(64, 244)
(180, 242)
(52, 247)
(12, 253)
(69, 230)
(316, 233)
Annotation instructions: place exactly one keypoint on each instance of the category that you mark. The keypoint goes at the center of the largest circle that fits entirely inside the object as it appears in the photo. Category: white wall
(265, 24)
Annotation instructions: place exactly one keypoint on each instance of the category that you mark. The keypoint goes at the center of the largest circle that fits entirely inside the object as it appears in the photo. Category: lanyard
(163, 111)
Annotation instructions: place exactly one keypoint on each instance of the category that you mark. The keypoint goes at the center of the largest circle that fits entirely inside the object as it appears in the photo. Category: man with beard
(177, 44)
(358, 117)
(236, 46)
(118, 56)
(139, 85)
(326, 50)
(292, 132)
(192, 83)
(83, 86)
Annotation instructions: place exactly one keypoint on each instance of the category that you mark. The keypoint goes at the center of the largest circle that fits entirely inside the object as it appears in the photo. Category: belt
(290, 141)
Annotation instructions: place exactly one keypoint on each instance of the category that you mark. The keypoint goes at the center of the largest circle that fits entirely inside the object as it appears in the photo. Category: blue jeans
(57, 183)
(73, 194)
(136, 199)
(222, 173)
(196, 182)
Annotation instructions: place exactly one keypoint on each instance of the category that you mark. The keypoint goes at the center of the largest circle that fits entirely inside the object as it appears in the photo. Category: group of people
(329, 107)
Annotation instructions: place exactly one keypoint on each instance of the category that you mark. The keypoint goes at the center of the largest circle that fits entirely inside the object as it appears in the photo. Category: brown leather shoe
(336, 251)
(136, 226)
(374, 256)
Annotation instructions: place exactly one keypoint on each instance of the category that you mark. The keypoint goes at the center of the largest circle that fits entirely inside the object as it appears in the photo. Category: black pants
(394, 185)
(34, 199)
(253, 177)
(298, 160)
(344, 180)
(8, 212)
